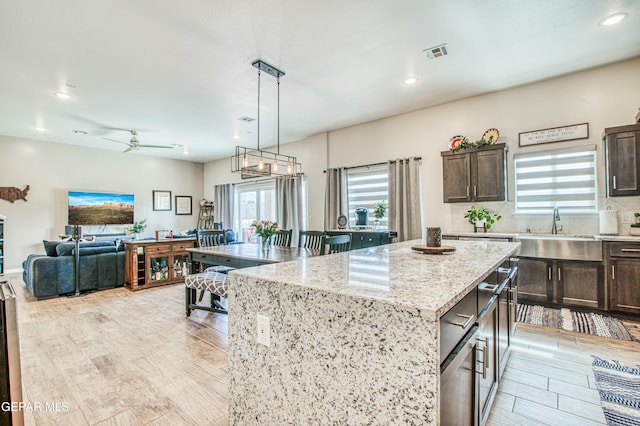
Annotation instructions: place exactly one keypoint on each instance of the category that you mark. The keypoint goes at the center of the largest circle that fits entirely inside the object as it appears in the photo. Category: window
(562, 178)
(367, 186)
(254, 201)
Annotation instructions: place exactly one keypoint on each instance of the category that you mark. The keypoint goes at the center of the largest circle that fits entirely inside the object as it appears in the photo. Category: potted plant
(635, 227)
(379, 211)
(480, 217)
(137, 228)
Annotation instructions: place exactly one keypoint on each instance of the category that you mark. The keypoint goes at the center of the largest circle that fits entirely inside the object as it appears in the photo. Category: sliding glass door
(254, 201)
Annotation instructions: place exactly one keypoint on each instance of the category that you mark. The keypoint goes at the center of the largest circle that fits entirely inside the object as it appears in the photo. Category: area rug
(581, 322)
(619, 389)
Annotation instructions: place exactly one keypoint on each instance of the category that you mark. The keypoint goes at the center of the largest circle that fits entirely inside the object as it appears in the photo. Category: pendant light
(252, 163)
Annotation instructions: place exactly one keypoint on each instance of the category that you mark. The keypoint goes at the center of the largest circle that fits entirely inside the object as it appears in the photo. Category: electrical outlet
(628, 218)
(263, 329)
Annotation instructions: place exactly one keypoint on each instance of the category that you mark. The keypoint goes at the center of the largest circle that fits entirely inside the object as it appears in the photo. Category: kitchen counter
(353, 336)
(561, 235)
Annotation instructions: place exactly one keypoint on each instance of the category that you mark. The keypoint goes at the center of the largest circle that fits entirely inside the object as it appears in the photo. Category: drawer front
(457, 322)
(158, 248)
(619, 249)
(182, 246)
(370, 239)
(204, 258)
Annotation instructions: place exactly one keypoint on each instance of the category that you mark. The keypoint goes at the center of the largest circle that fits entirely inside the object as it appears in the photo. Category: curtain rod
(373, 164)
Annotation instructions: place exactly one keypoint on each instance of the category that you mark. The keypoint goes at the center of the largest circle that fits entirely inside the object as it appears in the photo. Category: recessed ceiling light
(40, 129)
(63, 95)
(185, 150)
(236, 137)
(410, 80)
(613, 19)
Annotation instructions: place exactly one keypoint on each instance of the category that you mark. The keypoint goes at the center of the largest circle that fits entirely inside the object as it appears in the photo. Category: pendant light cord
(259, 109)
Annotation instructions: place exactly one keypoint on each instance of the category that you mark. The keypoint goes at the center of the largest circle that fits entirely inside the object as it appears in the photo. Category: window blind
(366, 187)
(561, 178)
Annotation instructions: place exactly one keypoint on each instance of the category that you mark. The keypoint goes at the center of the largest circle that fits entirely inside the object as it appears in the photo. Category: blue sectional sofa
(53, 274)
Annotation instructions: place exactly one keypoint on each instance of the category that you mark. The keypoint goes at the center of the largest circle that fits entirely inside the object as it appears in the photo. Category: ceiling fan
(134, 144)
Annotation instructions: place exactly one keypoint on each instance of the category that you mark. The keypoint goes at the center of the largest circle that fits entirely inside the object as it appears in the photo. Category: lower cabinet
(364, 239)
(487, 362)
(625, 285)
(571, 283)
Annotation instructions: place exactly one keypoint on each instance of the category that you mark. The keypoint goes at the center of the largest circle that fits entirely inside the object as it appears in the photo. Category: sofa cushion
(50, 247)
(66, 249)
(88, 251)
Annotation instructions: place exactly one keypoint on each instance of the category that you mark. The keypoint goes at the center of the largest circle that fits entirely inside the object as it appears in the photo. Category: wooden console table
(152, 263)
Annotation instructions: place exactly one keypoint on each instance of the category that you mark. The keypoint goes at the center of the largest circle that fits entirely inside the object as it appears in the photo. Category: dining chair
(314, 240)
(282, 238)
(339, 243)
(213, 278)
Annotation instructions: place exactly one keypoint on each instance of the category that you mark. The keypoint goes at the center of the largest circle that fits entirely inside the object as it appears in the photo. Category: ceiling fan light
(613, 19)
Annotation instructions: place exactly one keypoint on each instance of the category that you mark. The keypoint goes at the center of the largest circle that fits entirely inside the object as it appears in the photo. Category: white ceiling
(180, 72)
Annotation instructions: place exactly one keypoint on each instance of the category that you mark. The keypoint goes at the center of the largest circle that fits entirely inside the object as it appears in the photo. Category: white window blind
(367, 186)
(561, 178)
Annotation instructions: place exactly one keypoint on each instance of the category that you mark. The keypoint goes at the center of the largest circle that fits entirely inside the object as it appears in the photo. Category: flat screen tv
(100, 208)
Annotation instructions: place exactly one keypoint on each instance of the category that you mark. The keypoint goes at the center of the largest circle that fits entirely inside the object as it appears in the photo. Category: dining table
(247, 255)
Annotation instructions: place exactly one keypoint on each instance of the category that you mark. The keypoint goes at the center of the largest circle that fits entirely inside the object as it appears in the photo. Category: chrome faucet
(556, 218)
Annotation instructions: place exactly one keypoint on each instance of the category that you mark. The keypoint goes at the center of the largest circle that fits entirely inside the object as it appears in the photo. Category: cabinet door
(487, 360)
(503, 329)
(623, 163)
(534, 280)
(625, 288)
(487, 175)
(370, 239)
(580, 283)
(456, 178)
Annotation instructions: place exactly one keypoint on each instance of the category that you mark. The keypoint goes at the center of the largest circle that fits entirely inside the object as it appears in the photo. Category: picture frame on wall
(162, 200)
(554, 134)
(184, 205)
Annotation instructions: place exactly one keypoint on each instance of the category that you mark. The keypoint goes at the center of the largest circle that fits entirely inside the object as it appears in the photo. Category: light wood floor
(122, 358)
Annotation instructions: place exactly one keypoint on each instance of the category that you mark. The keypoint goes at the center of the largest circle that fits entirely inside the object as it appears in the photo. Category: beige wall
(603, 97)
(52, 169)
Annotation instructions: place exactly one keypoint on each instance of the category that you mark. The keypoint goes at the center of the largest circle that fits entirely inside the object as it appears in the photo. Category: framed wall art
(162, 200)
(183, 205)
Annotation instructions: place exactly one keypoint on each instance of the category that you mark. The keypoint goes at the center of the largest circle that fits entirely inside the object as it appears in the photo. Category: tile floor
(122, 358)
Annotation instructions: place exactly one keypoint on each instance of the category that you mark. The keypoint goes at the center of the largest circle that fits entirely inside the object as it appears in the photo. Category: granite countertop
(630, 238)
(394, 273)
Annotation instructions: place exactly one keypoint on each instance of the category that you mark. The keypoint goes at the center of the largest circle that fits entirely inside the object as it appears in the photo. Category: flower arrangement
(265, 228)
(637, 224)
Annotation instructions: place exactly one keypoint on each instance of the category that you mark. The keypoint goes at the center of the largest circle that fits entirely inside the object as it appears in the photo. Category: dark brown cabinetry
(622, 150)
(624, 277)
(474, 174)
(1, 246)
(152, 263)
(561, 282)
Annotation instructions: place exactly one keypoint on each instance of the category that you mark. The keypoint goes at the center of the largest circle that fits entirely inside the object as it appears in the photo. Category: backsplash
(571, 224)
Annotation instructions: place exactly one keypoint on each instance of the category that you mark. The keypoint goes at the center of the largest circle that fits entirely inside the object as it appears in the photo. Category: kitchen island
(353, 338)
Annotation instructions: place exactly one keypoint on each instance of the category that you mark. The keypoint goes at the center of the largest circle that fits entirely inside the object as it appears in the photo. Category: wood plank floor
(121, 358)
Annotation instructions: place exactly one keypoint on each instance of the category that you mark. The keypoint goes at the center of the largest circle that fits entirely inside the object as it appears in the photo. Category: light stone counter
(353, 336)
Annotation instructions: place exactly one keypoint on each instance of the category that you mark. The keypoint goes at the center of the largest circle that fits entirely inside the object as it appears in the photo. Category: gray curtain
(290, 203)
(336, 201)
(223, 204)
(404, 198)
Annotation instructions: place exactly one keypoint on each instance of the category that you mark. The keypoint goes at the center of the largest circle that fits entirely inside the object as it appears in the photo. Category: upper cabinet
(622, 150)
(477, 174)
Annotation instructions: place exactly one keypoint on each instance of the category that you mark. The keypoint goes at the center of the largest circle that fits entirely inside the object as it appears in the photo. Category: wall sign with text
(556, 134)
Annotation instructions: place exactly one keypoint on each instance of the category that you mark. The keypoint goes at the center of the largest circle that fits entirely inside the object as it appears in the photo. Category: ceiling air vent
(246, 119)
(436, 51)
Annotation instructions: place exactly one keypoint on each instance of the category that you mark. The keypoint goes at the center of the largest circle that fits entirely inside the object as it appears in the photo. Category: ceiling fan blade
(155, 146)
(126, 150)
(113, 140)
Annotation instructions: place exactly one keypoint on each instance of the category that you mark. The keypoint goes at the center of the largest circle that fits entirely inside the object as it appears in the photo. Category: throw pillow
(50, 247)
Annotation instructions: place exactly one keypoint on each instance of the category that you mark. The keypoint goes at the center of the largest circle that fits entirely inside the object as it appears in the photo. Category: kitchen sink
(562, 247)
